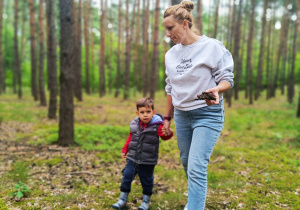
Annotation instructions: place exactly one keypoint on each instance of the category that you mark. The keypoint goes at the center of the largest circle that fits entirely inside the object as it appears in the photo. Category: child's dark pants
(145, 173)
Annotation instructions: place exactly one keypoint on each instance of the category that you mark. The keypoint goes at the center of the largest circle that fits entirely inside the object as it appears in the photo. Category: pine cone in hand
(206, 95)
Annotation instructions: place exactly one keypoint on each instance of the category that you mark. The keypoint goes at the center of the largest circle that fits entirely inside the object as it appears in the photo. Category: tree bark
(249, 51)
(52, 60)
(118, 79)
(77, 51)
(291, 83)
(217, 18)
(43, 101)
(155, 51)
(2, 81)
(281, 48)
(137, 63)
(102, 51)
(145, 65)
(127, 54)
(199, 16)
(261, 57)
(237, 38)
(34, 86)
(66, 110)
(17, 69)
(86, 42)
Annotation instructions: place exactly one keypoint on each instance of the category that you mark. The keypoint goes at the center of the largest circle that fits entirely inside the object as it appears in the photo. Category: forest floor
(255, 164)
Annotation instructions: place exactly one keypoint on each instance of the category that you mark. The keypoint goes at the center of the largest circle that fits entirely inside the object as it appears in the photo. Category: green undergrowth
(255, 163)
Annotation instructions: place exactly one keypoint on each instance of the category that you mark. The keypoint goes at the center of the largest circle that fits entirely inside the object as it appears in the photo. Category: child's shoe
(145, 204)
(121, 202)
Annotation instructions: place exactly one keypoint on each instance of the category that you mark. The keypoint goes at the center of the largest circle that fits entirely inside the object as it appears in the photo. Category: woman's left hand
(214, 91)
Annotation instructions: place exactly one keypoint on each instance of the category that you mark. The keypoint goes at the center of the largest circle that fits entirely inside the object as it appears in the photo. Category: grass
(255, 164)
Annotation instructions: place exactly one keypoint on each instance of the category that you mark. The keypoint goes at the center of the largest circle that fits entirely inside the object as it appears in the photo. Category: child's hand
(164, 131)
(124, 155)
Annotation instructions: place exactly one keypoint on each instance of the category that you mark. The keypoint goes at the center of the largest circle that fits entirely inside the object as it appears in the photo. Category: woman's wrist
(168, 118)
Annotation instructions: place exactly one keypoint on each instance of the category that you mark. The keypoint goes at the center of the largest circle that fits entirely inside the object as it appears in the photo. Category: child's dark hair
(145, 102)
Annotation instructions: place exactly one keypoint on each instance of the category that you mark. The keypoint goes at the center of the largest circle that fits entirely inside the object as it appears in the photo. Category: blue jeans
(145, 173)
(197, 133)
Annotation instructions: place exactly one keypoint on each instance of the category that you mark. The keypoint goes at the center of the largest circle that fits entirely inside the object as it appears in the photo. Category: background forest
(71, 72)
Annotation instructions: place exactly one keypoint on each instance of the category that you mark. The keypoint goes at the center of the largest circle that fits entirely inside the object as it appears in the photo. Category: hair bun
(188, 5)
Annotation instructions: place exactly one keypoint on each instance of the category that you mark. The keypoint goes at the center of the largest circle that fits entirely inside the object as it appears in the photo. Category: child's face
(145, 114)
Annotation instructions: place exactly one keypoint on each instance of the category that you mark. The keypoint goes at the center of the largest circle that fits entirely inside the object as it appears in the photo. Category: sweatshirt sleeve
(224, 69)
(160, 133)
(125, 147)
(168, 87)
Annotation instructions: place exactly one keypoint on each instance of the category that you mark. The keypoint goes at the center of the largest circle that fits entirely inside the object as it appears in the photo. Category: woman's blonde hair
(181, 12)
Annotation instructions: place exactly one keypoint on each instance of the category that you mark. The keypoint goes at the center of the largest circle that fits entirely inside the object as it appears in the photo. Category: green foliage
(3, 206)
(20, 190)
(19, 171)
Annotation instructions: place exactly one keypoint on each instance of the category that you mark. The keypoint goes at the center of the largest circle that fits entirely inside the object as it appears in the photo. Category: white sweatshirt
(192, 69)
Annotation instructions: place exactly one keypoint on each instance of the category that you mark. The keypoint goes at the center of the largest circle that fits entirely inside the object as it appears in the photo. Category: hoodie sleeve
(224, 69)
(125, 147)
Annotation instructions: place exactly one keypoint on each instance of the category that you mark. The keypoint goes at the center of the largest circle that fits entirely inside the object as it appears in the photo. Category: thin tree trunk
(291, 83)
(281, 48)
(261, 57)
(66, 110)
(102, 51)
(145, 65)
(34, 86)
(118, 82)
(52, 60)
(17, 69)
(43, 101)
(127, 54)
(228, 25)
(78, 65)
(86, 42)
(23, 23)
(249, 51)
(137, 63)
(237, 38)
(217, 18)
(129, 35)
(199, 15)
(1, 58)
(155, 51)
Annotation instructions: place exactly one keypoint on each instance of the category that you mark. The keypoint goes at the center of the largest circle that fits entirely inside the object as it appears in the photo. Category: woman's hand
(215, 92)
(166, 129)
(124, 155)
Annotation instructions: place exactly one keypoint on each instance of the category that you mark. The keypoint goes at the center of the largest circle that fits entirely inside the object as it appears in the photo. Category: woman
(194, 65)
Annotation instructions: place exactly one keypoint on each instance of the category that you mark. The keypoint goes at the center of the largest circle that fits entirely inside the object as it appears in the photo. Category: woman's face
(175, 30)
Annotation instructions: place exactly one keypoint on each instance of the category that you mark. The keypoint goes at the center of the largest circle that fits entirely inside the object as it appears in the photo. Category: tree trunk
(129, 34)
(52, 60)
(145, 65)
(66, 110)
(77, 51)
(102, 51)
(118, 82)
(1, 58)
(86, 42)
(249, 51)
(127, 54)
(155, 51)
(281, 48)
(199, 16)
(216, 19)
(291, 83)
(17, 69)
(261, 57)
(34, 86)
(43, 101)
(237, 38)
(137, 63)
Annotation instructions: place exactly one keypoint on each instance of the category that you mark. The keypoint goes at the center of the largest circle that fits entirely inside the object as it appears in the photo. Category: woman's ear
(185, 24)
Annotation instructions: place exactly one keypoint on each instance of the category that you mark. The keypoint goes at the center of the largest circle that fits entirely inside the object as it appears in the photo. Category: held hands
(124, 155)
(214, 91)
(166, 130)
